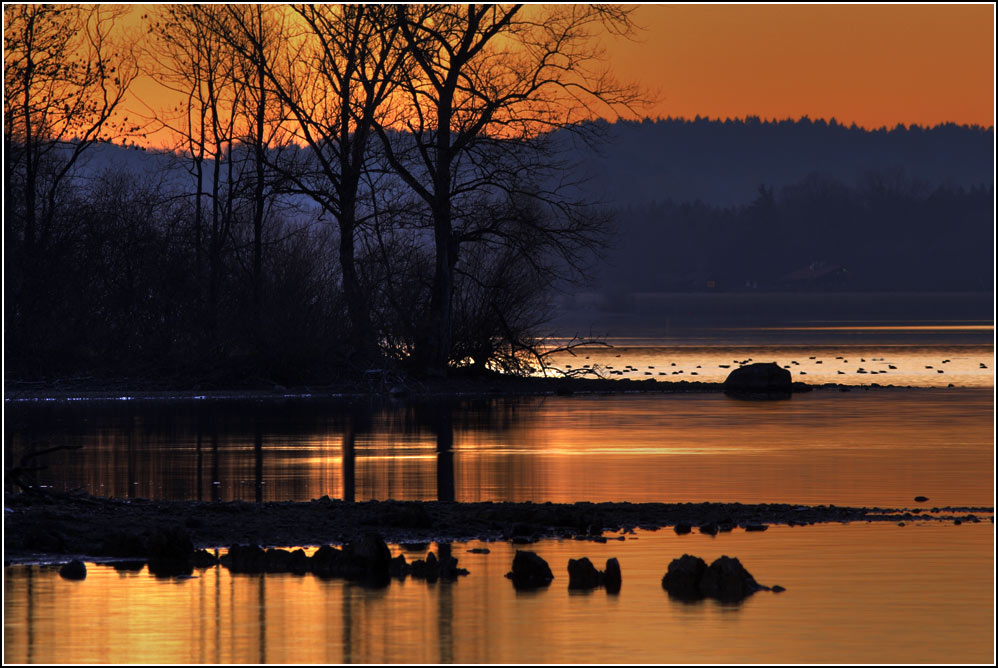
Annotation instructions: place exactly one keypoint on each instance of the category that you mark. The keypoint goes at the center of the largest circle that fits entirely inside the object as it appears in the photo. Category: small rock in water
(776, 589)
(530, 571)
(611, 576)
(74, 570)
(479, 550)
(921, 499)
(682, 528)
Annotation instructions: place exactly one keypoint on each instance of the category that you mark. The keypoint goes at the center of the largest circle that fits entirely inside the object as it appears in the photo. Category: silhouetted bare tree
(192, 59)
(338, 69)
(488, 81)
(64, 78)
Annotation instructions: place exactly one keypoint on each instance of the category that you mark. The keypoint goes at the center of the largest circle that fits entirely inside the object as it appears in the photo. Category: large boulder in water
(245, 559)
(530, 571)
(170, 552)
(583, 575)
(327, 562)
(763, 380)
(690, 578)
(74, 570)
(367, 558)
(727, 580)
(682, 580)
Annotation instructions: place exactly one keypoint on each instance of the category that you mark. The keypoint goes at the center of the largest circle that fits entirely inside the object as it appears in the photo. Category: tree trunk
(361, 331)
(438, 343)
(258, 195)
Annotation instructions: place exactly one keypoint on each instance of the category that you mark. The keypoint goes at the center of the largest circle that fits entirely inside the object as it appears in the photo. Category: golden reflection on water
(859, 448)
(857, 594)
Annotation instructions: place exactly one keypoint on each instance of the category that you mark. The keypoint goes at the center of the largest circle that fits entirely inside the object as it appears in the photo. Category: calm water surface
(876, 447)
(855, 594)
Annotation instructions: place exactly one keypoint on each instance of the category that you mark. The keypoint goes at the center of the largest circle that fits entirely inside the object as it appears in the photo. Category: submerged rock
(762, 380)
(530, 571)
(74, 570)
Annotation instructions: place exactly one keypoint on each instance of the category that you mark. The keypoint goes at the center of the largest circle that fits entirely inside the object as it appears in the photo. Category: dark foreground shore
(489, 387)
(43, 527)
(484, 386)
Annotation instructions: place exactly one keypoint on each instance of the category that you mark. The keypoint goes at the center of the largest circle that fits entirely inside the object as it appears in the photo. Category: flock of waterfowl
(650, 370)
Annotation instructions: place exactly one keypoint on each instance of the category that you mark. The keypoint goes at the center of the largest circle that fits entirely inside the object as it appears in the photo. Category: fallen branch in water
(23, 467)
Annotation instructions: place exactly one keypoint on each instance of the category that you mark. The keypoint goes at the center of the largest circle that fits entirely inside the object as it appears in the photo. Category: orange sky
(875, 65)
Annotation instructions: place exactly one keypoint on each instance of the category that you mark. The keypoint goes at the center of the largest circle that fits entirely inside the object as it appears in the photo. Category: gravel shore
(41, 528)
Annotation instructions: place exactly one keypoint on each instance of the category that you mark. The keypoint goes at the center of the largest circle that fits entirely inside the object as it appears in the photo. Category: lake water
(855, 593)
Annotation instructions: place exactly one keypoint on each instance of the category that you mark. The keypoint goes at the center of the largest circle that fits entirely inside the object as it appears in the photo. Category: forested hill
(724, 162)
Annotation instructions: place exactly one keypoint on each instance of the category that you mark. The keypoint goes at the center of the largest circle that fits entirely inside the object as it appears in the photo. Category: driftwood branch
(24, 467)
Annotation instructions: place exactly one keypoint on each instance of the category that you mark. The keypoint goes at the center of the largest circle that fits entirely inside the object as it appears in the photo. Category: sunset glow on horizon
(870, 65)
(873, 65)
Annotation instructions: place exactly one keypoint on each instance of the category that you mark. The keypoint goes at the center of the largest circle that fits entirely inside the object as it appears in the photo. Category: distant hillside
(725, 162)
(785, 205)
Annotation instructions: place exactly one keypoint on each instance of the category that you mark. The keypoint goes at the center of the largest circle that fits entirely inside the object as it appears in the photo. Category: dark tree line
(352, 187)
(723, 162)
(886, 231)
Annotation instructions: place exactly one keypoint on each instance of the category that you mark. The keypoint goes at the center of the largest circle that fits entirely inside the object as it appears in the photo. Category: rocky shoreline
(524, 387)
(44, 527)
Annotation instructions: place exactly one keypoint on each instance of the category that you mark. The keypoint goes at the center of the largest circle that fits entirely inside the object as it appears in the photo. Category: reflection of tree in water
(295, 449)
